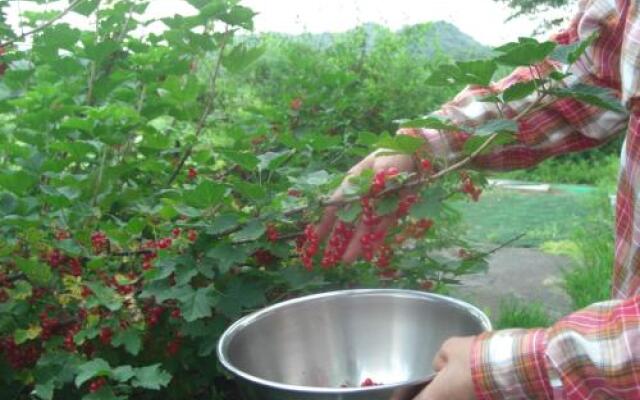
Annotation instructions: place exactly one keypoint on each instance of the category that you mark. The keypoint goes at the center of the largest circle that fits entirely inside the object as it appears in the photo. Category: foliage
(526, 7)
(153, 189)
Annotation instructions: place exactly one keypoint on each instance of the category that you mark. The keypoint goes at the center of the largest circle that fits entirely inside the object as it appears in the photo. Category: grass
(591, 246)
(517, 314)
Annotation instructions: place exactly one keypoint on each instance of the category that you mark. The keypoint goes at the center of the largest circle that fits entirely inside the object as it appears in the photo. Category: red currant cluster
(48, 325)
(426, 165)
(380, 179)
(404, 206)
(57, 260)
(153, 315)
(68, 343)
(100, 242)
(106, 334)
(263, 257)
(272, 233)
(176, 313)
(337, 245)
(307, 246)
(19, 357)
(369, 241)
(97, 384)
(173, 347)
(415, 230)
(468, 187)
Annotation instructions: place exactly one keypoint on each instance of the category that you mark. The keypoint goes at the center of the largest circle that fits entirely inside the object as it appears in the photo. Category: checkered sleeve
(559, 126)
(592, 354)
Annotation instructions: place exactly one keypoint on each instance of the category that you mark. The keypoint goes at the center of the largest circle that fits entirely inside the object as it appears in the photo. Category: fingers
(437, 389)
(355, 248)
(439, 361)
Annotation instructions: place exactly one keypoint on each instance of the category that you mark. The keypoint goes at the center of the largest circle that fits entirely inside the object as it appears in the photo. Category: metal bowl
(322, 347)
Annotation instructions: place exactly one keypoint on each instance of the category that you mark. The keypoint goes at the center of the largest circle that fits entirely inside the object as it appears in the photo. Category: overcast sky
(482, 19)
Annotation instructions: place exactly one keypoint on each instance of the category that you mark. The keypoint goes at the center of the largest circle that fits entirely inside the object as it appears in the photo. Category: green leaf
(35, 271)
(252, 231)
(387, 205)
(105, 393)
(497, 126)
(429, 205)
(223, 223)
(350, 213)
(569, 54)
(241, 57)
(239, 16)
(474, 142)
(86, 7)
(316, 178)
(240, 294)
(18, 182)
(123, 373)
(526, 52)
(103, 296)
(207, 194)
(130, 339)
(24, 335)
(44, 391)
(92, 369)
(519, 91)
(198, 305)
(594, 95)
(246, 160)
(227, 256)
(401, 144)
(151, 377)
(99, 52)
(431, 122)
(477, 72)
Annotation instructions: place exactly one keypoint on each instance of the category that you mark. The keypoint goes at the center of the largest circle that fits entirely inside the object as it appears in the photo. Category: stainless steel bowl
(310, 348)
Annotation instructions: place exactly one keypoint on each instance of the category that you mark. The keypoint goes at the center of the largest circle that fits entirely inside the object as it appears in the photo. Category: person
(593, 353)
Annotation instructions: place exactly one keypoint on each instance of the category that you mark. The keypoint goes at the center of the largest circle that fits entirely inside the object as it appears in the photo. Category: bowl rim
(226, 338)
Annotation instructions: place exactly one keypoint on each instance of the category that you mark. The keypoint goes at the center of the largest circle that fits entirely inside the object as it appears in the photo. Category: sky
(484, 20)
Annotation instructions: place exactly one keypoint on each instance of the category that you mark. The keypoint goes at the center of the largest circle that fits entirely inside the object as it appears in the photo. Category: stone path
(524, 273)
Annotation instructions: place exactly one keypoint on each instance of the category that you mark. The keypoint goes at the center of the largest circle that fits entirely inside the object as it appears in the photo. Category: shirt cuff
(511, 364)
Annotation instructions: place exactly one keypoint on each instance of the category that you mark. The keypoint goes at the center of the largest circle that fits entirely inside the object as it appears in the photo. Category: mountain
(424, 40)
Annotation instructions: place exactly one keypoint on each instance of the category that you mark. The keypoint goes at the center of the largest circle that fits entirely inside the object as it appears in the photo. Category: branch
(207, 109)
(43, 26)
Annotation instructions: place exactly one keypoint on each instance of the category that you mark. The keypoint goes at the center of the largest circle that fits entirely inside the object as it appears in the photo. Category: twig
(207, 109)
(43, 26)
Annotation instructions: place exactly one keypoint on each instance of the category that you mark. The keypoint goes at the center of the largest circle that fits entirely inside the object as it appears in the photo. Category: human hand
(453, 365)
(377, 162)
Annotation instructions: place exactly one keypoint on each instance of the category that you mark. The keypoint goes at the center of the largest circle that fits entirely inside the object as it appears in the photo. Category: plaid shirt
(594, 353)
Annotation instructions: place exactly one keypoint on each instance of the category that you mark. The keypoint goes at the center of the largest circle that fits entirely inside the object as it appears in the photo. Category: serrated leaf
(252, 231)
(86, 7)
(240, 294)
(519, 91)
(594, 95)
(478, 72)
(91, 369)
(24, 335)
(429, 204)
(130, 339)
(497, 126)
(474, 142)
(241, 57)
(44, 391)
(37, 272)
(527, 52)
(401, 144)
(387, 205)
(246, 160)
(223, 223)
(350, 213)
(123, 373)
(206, 194)
(431, 122)
(316, 178)
(151, 377)
(227, 256)
(569, 54)
(103, 296)
(198, 305)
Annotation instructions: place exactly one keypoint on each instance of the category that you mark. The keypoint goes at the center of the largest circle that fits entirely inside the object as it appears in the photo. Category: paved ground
(524, 273)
